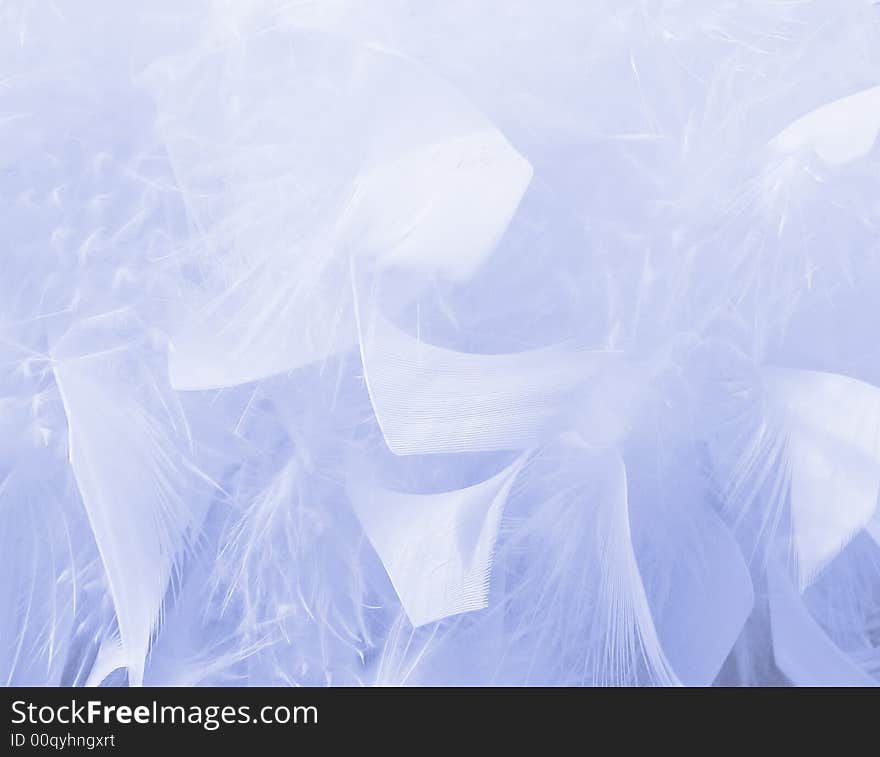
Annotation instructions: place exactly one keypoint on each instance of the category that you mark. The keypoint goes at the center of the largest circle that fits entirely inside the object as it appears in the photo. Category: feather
(429, 399)
(630, 623)
(128, 449)
(698, 587)
(428, 185)
(578, 611)
(420, 344)
(831, 424)
(802, 649)
(40, 565)
(309, 623)
(440, 209)
(567, 603)
(838, 132)
(437, 548)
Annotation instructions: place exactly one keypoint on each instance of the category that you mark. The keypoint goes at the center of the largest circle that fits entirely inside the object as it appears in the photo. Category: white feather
(418, 179)
(831, 425)
(128, 448)
(437, 548)
(802, 649)
(838, 132)
(429, 399)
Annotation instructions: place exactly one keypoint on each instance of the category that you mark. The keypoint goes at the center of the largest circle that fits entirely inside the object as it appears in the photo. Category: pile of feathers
(387, 342)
